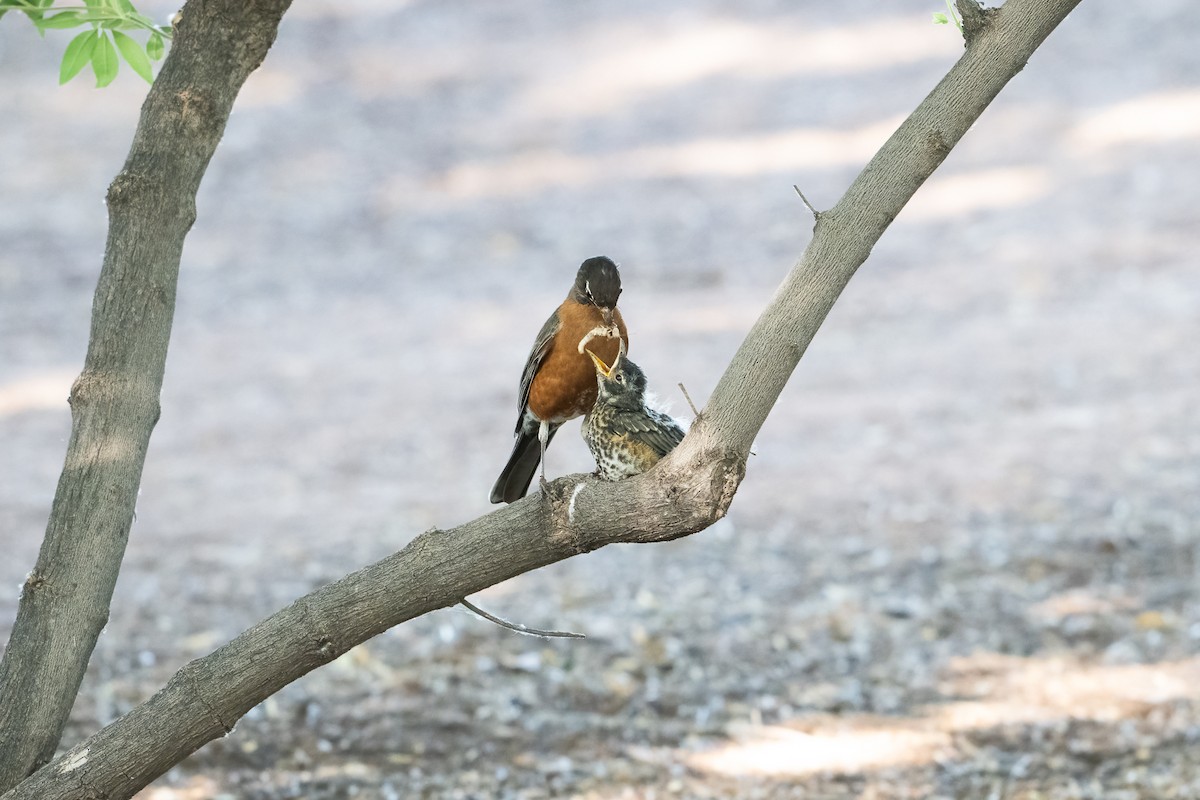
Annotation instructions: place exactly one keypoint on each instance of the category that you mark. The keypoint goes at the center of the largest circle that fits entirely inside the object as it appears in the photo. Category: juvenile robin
(559, 381)
(626, 436)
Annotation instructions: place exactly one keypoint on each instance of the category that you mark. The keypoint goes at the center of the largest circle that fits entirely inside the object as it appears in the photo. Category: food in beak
(601, 367)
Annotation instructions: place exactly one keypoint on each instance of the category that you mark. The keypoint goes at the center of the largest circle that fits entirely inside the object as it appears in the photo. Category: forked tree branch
(114, 402)
(687, 492)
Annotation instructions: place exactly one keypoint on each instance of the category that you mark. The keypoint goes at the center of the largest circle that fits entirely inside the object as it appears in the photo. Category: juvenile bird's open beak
(620, 355)
(601, 367)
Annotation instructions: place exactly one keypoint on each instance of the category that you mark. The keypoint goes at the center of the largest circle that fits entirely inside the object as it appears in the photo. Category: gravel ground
(965, 560)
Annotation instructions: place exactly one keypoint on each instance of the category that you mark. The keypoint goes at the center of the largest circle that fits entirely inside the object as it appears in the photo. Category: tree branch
(815, 214)
(845, 234)
(114, 402)
(512, 626)
(975, 18)
(685, 493)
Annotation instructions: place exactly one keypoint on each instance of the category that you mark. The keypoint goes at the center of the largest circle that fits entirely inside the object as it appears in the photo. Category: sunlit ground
(1001, 691)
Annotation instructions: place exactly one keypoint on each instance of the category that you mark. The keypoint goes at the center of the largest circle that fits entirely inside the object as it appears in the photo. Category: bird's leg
(543, 439)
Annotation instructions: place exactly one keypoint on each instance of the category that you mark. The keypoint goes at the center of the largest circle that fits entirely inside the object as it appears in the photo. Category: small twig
(954, 16)
(974, 18)
(688, 397)
(519, 628)
(816, 214)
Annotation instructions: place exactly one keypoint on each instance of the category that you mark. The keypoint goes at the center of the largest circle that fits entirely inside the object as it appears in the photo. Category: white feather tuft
(653, 401)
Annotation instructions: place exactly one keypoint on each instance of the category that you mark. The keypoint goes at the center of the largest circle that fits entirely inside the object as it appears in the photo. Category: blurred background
(964, 559)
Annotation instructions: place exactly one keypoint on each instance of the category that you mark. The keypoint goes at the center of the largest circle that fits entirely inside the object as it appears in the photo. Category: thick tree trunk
(114, 402)
(687, 492)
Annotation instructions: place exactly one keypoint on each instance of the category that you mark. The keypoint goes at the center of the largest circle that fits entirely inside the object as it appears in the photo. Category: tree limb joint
(975, 19)
(560, 496)
(327, 647)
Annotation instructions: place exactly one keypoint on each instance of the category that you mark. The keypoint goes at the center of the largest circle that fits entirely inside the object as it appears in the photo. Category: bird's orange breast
(565, 384)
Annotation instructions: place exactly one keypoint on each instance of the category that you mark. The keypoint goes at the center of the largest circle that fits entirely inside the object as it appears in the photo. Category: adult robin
(559, 381)
(626, 436)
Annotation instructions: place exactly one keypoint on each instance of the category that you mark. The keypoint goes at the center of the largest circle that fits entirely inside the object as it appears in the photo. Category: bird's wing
(541, 346)
(653, 428)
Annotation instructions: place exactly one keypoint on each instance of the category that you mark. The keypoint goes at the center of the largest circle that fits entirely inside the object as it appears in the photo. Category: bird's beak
(607, 315)
(601, 367)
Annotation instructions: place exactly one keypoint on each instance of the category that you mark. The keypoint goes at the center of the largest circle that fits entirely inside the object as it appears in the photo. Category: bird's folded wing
(541, 346)
(651, 427)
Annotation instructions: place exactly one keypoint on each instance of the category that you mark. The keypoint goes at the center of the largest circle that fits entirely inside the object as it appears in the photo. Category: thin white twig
(519, 628)
(816, 214)
(688, 397)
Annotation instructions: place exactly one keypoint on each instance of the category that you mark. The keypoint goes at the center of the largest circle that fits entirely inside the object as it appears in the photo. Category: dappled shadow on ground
(827, 683)
(964, 561)
(1020, 723)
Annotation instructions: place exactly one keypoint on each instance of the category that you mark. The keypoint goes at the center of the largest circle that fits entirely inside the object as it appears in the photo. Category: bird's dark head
(598, 283)
(623, 384)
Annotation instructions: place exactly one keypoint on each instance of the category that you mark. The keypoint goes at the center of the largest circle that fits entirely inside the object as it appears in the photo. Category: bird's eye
(619, 378)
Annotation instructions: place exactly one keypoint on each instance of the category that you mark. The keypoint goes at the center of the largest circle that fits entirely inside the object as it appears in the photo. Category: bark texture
(115, 401)
(687, 492)
(999, 43)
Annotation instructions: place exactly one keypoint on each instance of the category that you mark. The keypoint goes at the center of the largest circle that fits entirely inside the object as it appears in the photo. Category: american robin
(626, 436)
(559, 382)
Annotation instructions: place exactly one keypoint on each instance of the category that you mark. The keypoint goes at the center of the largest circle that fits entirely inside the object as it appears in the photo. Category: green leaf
(78, 54)
(134, 55)
(63, 19)
(143, 20)
(940, 18)
(17, 5)
(154, 47)
(104, 61)
(35, 12)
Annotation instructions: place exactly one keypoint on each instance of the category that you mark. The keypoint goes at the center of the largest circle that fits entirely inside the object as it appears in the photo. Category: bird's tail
(518, 473)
